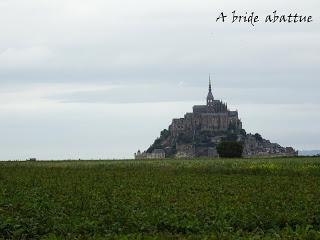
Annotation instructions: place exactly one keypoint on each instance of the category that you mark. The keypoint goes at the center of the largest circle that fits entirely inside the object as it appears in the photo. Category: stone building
(214, 116)
(155, 154)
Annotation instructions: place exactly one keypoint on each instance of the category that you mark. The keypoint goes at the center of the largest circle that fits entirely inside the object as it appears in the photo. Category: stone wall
(153, 155)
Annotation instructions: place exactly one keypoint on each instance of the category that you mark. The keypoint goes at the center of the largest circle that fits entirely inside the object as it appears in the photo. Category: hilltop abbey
(214, 116)
(199, 132)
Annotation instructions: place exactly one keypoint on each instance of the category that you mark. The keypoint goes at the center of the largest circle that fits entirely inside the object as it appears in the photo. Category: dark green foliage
(164, 134)
(258, 137)
(155, 145)
(243, 132)
(158, 142)
(161, 199)
(230, 149)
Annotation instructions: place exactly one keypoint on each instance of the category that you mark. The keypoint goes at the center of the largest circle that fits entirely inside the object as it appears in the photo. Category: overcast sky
(101, 79)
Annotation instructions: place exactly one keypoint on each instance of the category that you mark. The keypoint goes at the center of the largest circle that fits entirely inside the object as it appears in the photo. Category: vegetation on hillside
(230, 149)
(198, 138)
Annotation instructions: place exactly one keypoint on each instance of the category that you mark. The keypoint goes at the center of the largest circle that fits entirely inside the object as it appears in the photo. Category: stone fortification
(199, 132)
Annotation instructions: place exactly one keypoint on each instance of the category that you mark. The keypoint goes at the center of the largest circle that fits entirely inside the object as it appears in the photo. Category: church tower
(210, 98)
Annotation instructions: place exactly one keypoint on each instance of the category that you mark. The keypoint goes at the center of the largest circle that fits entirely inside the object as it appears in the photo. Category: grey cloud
(185, 93)
(150, 44)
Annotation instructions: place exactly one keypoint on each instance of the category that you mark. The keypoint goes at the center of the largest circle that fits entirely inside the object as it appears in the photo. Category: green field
(168, 199)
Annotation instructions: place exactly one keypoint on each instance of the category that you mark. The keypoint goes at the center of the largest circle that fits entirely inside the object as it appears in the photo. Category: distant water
(308, 152)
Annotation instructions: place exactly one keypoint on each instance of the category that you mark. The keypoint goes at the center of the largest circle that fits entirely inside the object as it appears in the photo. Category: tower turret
(210, 96)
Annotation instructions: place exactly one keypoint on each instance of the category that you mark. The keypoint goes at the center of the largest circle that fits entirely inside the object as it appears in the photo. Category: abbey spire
(210, 98)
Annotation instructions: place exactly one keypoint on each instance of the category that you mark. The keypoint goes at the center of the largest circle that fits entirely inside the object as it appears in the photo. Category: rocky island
(198, 134)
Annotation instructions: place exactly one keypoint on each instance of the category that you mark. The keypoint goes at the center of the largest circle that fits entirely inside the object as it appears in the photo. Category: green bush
(243, 132)
(258, 137)
(230, 149)
(164, 134)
